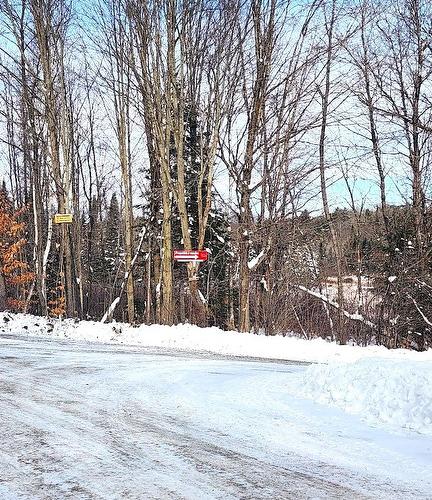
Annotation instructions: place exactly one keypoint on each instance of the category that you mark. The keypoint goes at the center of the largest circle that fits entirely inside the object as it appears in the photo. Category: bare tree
(50, 19)
(118, 52)
(181, 55)
(403, 77)
(330, 16)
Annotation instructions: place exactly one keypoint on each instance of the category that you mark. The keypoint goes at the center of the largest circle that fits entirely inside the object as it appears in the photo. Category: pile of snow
(382, 391)
(193, 338)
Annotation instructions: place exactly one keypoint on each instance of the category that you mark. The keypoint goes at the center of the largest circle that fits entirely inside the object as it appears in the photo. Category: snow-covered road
(114, 422)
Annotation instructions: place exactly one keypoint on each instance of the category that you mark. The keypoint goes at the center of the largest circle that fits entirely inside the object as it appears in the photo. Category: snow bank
(391, 392)
(193, 338)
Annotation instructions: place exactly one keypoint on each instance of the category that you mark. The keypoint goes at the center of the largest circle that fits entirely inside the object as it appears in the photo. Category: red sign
(190, 255)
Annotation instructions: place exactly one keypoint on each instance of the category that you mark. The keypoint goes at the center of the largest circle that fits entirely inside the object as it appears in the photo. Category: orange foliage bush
(16, 272)
(57, 305)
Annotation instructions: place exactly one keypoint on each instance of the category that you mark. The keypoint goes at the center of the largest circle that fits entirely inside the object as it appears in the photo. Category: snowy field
(94, 421)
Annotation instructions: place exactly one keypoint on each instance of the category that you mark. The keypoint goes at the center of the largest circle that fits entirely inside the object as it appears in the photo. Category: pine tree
(215, 274)
(95, 243)
(112, 238)
(212, 275)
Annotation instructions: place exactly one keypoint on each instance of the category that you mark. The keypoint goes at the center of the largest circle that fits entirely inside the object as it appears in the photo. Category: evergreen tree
(212, 275)
(215, 273)
(112, 239)
(95, 243)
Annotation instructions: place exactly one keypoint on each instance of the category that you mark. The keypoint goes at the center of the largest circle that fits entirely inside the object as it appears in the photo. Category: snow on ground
(192, 338)
(86, 420)
(391, 388)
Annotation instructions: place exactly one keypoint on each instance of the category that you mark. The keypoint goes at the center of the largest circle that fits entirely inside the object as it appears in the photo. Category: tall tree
(403, 78)
(50, 19)
(119, 47)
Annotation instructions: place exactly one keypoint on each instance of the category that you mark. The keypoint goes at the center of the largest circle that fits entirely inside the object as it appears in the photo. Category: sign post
(63, 218)
(190, 255)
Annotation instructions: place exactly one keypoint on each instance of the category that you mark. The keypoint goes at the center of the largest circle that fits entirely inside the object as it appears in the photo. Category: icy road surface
(110, 422)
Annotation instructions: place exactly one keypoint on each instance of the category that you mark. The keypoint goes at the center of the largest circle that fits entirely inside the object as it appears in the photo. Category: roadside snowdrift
(193, 338)
(397, 394)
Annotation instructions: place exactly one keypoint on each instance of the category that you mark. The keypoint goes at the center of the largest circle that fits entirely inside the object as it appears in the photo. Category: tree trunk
(3, 296)
(167, 306)
(325, 97)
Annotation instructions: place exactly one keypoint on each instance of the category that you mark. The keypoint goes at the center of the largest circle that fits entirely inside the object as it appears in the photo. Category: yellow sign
(63, 218)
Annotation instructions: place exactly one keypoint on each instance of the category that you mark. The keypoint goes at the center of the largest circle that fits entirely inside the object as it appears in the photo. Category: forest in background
(220, 125)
